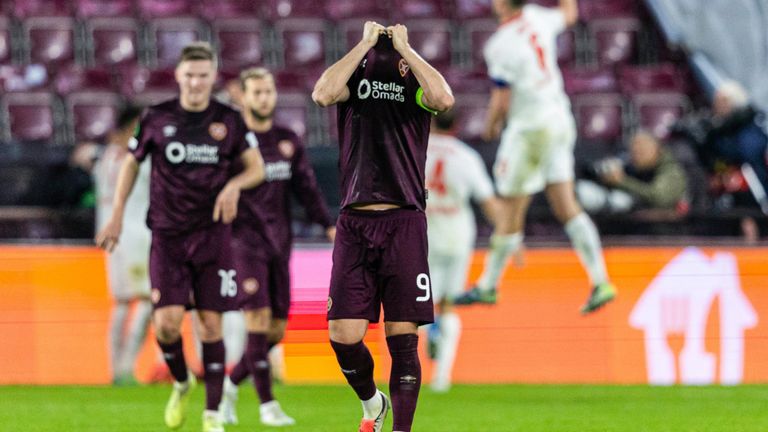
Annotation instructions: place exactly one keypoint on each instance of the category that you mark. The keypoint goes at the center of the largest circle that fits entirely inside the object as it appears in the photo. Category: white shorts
(448, 274)
(128, 268)
(529, 159)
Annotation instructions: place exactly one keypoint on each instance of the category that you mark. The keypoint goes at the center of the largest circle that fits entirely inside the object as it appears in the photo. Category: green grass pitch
(477, 408)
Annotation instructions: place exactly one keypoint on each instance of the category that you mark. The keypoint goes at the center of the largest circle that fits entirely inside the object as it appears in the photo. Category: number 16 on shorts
(228, 284)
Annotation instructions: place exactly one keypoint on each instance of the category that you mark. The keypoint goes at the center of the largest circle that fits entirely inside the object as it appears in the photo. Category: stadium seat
(294, 81)
(51, 40)
(615, 40)
(167, 37)
(599, 117)
(111, 41)
(301, 43)
(277, 10)
(467, 80)
(596, 9)
(351, 31)
(408, 9)
(656, 112)
(151, 9)
(240, 42)
(478, 31)
(153, 97)
(134, 80)
(5, 40)
(91, 115)
(338, 10)
(431, 38)
(637, 79)
(473, 9)
(14, 78)
(217, 9)
(72, 78)
(23, 9)
(103, 8)
(292, 111)
(567, 48)
(30, 116)
(470, 112)
(579, 81)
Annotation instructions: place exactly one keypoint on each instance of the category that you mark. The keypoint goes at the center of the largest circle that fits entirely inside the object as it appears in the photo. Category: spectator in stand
(66, 185)
(651, 179)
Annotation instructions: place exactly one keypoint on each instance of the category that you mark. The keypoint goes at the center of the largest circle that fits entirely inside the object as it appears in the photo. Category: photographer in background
(650, 179)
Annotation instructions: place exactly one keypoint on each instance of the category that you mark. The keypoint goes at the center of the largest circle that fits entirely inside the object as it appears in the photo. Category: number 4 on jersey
(437, 178)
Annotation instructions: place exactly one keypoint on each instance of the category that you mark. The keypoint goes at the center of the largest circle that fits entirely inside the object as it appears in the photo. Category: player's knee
(167, 332)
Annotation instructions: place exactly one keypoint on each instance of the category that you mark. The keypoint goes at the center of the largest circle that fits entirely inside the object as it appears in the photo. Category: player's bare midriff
(375, 207)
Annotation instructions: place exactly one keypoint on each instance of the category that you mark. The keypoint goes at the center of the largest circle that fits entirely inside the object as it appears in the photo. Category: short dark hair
(127, 115)
(254, 73)
(517, 3)
(444, 121)
(198, 51)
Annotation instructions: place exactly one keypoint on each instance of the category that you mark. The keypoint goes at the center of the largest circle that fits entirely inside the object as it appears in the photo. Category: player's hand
(225, 209)
(491, 131)
(399, 35)
(371, 32)
(109, 236)
(330, 232)
(614, 174)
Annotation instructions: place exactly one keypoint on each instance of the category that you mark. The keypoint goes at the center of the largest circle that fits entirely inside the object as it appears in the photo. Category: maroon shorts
(263, 279)
(380, 258)
(193, 270)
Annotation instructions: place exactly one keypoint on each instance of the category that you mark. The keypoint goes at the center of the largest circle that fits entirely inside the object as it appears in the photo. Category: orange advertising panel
(683, 315)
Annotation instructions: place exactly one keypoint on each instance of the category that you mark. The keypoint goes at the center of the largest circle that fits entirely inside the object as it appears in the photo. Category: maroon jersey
(267, 208)
(192, 157)
(383, 133)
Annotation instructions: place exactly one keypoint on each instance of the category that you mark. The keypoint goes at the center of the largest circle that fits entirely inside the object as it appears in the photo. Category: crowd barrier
(683, 315)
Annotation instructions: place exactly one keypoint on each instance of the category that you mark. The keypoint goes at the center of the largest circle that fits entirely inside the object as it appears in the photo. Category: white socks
(502, 247)
(116, 325)
(372, 407)
(586, 242)
(136, 334)
(450, 331)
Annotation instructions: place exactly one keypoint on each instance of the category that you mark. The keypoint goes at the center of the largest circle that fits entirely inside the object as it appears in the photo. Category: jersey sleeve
(305, 188)
(482, 187)
(141, 144)
(244, 138)
(500, 64)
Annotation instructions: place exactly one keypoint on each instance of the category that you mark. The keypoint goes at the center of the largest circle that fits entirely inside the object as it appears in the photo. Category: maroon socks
(404, 380)
(357, 366)
(173, 353)
(213, 365)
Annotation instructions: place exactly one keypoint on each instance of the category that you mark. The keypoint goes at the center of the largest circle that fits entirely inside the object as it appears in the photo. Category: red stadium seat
(168, 36)
(14, 78)
(153, 97)
(51, 40)
(73, 78)
(240, 42)
(599, 117)
(277, 10)
(91, 115)
(103, 8)
(28, 8)
(347, 9)
(478, 32)
(135, 79)
(467, 80)
(111, 41)
(663, 77)
(566, 48)
(472, 9)
(579, 81)
(302, 43)
(656, 112)
(596, 9)
(217, 9)
(30, 116)
(431, 38)
(150, 9)
(615, 40)
(470, 112)
(408, 9)
(292, 111)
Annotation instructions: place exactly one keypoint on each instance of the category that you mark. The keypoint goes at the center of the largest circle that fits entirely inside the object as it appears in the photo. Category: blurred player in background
(263, 239)
(194, 143)
(127, 264)
(536, 151)
(455, 176)
(385, 94)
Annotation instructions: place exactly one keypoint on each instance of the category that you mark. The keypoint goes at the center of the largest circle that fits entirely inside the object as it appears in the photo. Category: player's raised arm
(331, 88)
(498, 106)
(225, 209)
(108, 237)
(437, 92)
(570, 9)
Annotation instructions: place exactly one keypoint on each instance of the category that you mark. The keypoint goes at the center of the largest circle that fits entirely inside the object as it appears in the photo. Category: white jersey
(128, 263)
(455, 174)
(522, 53)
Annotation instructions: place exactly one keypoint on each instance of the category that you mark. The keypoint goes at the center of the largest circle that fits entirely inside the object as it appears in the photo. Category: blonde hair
(734, 92)
(255, 73)
(198, 51)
